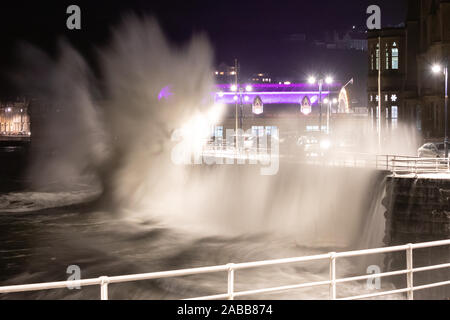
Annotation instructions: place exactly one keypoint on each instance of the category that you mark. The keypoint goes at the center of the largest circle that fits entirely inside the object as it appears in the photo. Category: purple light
(275, 85)
(273, 97)
(165, 93)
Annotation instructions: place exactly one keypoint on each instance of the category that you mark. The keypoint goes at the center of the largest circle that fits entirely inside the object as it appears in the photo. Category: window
(394, 56)
(394, 116)
(271, 131)
(218, 132)
(258, 131)
(394, 112)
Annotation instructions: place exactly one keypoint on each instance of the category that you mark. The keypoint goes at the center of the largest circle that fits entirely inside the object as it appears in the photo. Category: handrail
(104, 281)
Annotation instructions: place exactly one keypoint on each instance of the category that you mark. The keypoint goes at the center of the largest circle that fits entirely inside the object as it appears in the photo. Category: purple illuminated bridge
(271, 93)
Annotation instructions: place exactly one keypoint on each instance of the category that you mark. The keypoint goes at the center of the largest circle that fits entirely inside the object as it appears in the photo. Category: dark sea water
(43, 232)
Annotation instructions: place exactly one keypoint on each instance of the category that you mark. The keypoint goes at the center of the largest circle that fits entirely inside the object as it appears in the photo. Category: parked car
(432, 150)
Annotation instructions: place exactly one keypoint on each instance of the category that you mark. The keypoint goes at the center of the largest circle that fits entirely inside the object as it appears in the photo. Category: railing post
(409, 275)
(333, 276)
(104, 288)
(230, 281)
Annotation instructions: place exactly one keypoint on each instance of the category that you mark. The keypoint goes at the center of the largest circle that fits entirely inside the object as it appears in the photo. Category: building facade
(291, 110)
(410, 92)
(14, 119)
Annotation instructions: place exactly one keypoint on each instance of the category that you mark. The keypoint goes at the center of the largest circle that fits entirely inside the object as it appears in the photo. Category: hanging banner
(257, 107)
(306, 106)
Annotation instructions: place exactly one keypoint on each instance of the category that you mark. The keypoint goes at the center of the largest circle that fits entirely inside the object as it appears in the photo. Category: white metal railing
(231, 269)
(397, 164)
(416, 166)
(393, 163)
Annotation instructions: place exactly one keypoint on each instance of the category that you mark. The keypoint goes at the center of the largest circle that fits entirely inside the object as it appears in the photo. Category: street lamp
(438, 69)
(328, 80)
(329, 102)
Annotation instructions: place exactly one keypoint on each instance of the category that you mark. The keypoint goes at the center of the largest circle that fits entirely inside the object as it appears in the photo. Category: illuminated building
(292, 108)
(411, 94)
(14, 119)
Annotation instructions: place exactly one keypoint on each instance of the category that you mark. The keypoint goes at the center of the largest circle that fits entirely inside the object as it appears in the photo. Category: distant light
(325, 144)
(287, 83)
(221, 94)
(436, 68)
(335, 100)
(329, 80)
(233, 73)
(246, 98)
(314, 99)
(312, 80)
(235, 98)
(234, 88)
(217, 72)
(326, 100)
(248, 88)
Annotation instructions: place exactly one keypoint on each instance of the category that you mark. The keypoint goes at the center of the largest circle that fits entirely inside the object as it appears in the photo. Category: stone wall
(418, 210)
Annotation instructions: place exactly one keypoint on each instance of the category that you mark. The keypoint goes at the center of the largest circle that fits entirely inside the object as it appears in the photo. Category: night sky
(252, 31)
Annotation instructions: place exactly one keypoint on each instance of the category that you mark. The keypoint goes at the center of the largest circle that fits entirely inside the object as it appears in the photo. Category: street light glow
(436, 68)
(335, 100)
(312, 80)
(234, 88)
(329, 80)
(248, 88)
(326, 100)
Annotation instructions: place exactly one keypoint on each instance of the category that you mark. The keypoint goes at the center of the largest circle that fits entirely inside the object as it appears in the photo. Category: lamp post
(329, 102)
(438, 69)
(239, 89)
(379, 95)
(328, 80)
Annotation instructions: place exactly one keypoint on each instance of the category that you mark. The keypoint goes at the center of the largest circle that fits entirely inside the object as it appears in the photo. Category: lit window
(218, 132)
(394, 110)
(371, 98)
(271, 131)
(258, 131)
(394, 98)
(394, 57)
(394, 115)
